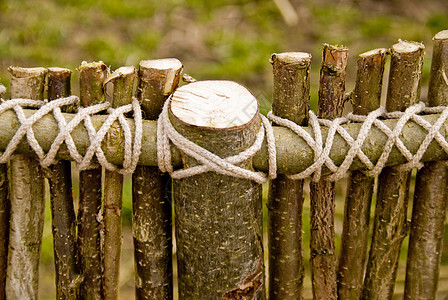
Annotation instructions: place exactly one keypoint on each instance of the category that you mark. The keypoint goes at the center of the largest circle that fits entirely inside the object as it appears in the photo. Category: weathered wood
(27, 200)
(218, 218)
(330, 106)
(430, 199)
(353, 254)
(91, 78)
(151, 215)
(390, 223)
(285, 201)
(68, 277)
(123, 86)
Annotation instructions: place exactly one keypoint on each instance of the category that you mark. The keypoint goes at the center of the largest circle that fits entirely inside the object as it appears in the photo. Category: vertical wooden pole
(27, 200)
(62, 211)
(285, 203)
(218, 217)
(151, 214)
(430, 200)
(390, 223)
(4, 220)
(123, 81)
(91, 78)
(330, 106)
(353, 255)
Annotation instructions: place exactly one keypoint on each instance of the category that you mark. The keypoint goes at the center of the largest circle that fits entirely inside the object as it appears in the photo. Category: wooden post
(123, 86)
(330, 106)
(27, 200)
(352, 259)
(218, 218)
(91, 78)
(285, 203)
(390, 224)
(4, 220)
(430, 200)
(67, 270)
(151, 214)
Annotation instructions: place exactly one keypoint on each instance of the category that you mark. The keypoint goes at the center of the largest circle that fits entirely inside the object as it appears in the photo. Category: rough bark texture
(219, 221)
(91, 78)
(27, 201)
(68, 276)
(430, 199)
(390, 224)
(4, 226)
(285, 203)
(123, 81)
(330, 106)
(151, 216)
(353, 254)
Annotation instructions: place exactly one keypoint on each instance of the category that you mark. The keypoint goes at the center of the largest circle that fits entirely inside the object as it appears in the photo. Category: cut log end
(374, 52)
(215, 104)
(161, 64)
(291, 57)
(407, 47)
(20, 72)
(442, 35)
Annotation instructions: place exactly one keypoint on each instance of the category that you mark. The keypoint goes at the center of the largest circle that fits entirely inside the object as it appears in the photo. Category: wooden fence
(218, 214)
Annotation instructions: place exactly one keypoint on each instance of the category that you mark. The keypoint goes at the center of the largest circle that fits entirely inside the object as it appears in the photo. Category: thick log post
(330, 106)
(151, 214)
(123, 86)
(67, 270)
(4, 220)
(91, 78)
(390, 223)
(285, 203)
(352, 260)
(27, 200)
(430, 200)
(218, 218)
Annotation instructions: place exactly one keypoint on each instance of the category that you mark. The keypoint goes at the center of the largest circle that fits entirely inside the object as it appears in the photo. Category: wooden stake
(68, 277)
(352, 260)
(390, 224)
(285, 203)
(330, 106)
(218, 218)
(123, 81)
(430, 200)
(27, 200)
(91, 78)
(151, 215)
(4, 220)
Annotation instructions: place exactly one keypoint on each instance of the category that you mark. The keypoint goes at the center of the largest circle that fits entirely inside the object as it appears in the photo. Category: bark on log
(27, 200)
(68, 277)
(293, 153)
(390, 223)
(123, 86)
(285, 202)
(151, 215)
(91, 78)
(218, 218)
(430, 200)
(330, 106)
(353, 254)
(4, 220)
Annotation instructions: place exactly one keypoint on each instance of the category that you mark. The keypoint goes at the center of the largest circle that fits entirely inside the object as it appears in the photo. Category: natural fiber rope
(132, 149)
(211, 162)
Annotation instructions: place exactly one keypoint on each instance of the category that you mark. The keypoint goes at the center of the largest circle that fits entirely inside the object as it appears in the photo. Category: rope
(132, 149)
(321, 154)
(167, 134)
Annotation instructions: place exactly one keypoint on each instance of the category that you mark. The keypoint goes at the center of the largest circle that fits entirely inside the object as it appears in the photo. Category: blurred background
(219, 39)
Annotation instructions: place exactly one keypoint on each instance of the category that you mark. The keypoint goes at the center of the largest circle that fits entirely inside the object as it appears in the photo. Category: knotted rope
(132, 149)
(166, 133)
